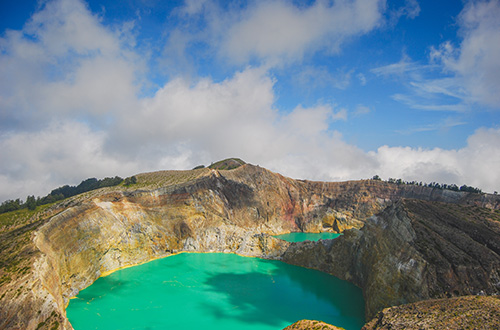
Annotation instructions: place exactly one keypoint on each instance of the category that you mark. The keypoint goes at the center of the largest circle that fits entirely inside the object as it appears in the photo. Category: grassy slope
(16, 246)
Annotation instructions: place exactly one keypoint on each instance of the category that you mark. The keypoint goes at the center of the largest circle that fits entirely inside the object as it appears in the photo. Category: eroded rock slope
(51, 258)
(469, 312)
(413, 250)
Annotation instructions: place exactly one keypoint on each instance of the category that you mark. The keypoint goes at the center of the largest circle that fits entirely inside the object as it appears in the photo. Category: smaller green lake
(299, 237)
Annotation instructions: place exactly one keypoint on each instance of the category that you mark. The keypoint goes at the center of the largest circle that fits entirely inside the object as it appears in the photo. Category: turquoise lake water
(299, 237)
(215, 291)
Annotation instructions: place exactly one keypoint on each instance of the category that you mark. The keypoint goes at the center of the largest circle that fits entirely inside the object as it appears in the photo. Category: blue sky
(321, 90)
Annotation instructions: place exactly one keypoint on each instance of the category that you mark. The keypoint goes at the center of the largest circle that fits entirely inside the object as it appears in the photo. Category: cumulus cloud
(221, 119)
(64, 63)
(62, 153)
(275, 32)
(278, 29)
(476, 164)
(69, 77)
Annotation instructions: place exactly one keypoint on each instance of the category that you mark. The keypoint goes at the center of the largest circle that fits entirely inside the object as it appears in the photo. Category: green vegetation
(20, 217)
(86, 185)
(51, 320)
(154, 180)
(130, 181)
(31, 203)
(435, 185)
(59, 194)
(227, 164)
(17, 247)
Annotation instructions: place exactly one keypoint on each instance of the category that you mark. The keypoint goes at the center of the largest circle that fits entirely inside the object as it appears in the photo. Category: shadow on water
(347, 297)
(249, 296)
(286, 294)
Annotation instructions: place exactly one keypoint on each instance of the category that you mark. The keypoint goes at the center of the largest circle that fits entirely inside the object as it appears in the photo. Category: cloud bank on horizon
(320, 90)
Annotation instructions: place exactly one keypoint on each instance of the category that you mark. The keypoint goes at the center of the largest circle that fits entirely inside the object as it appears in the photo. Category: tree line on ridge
(453, 187)
(64, 192)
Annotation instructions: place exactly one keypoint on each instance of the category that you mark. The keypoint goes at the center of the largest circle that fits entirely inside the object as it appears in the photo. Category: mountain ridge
(205, 210)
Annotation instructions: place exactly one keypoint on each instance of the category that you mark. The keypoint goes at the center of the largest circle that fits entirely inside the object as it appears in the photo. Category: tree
(10, 205)
(130, 180)
(66, 191)
(31, 203)
(86, 185)
(109, 182)
(376, 177)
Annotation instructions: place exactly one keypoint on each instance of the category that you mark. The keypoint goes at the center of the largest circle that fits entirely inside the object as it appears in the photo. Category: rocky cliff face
(207, 210)
(470, 312)
(414, 250)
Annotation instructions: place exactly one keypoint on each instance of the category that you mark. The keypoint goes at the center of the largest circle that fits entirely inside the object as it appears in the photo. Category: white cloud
(362, 79)
(64, 63)
(476, 164)
(64, 26)
(471, 70)
(418, 164)
(443, 86)
(63, 153)
(277, 29)
(411, 9)
(311, 78)
(234, 117)
(64, 69)
(422, 103)
(183, 125)
(442, 125)
(193, 7)
(475, 63)
(424, 90)
(401, 69)
(362, 110)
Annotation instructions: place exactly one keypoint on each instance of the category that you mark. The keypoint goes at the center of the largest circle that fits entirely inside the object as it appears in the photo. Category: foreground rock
(469, 312)
(48, 259)
(311, 325)
(472, 312)
(414, 250)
